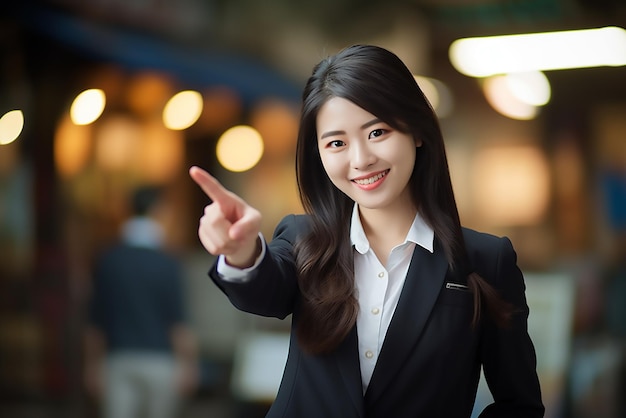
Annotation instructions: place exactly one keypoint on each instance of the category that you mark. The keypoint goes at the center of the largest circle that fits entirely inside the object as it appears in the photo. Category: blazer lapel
(347, 356)
(424, 280)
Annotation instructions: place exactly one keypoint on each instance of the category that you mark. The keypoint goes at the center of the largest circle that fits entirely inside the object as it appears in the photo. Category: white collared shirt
(378, 287)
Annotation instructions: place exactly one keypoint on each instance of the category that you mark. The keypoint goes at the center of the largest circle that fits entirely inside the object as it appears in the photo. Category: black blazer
(429, 365)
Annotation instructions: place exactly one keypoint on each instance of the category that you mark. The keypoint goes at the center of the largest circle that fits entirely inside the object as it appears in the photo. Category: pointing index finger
(209, 184)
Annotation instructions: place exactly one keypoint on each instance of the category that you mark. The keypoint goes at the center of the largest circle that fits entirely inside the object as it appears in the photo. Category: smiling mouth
(370, 180)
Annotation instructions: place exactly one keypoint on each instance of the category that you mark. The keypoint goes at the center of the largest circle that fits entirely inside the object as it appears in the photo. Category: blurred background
(100, 97)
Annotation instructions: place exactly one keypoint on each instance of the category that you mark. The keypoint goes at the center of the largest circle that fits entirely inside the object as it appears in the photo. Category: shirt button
(369, 354)
(381, 274)
(375, 311)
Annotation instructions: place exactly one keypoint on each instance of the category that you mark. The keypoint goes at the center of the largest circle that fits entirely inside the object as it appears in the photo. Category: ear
(418, 142)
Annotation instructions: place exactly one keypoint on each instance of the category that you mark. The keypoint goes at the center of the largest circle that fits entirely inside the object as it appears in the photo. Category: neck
(386, 228)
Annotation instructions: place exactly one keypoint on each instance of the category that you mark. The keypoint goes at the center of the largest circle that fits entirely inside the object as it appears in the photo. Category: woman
(395, 307)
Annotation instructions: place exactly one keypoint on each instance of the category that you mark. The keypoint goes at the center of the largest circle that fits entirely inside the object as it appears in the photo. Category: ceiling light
(485, 56)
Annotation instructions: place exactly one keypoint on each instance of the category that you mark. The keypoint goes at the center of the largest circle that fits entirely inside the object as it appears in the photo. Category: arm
(508, 355)
(271, 288)
(230, 228)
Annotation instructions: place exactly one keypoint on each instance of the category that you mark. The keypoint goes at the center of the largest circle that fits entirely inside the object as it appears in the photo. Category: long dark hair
(376, 80)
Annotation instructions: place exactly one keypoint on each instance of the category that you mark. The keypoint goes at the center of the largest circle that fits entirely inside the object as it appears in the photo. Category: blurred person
(140, 355)
(395, 308)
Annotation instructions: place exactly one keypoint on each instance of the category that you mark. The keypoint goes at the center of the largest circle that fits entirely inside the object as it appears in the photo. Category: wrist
(246, 257)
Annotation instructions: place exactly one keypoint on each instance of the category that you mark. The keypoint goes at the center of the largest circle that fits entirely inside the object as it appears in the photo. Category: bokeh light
(162, 152)
(148, 92)
(277, 123)
(240, 148)
(116, 142)
(182, 110)
(498, 93)
(532, 87)
(511, 184)
(88, 106)
(72, 147)
(11, 125)
(491, 55)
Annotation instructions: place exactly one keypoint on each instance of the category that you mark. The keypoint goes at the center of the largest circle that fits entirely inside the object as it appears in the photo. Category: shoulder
(477, 240)
(487, 252)
(296, 221)
(291, 226)
(483, 241)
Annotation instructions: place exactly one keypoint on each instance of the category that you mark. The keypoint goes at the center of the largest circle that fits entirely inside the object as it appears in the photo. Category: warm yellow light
(485, 56)
(240, 148)
(116, 143)
(147, 92)
(532, 87)
(161, 153)
(500, 96)
(11, 125)
(182, 110)
(72, 147)
(511, 185)
(277, 123)
(88, 106)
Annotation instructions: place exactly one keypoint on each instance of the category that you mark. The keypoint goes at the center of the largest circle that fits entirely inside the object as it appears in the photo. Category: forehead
(338, 112)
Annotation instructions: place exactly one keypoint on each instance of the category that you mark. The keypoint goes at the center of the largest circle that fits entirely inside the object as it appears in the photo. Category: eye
(335, 144)
(376, 133)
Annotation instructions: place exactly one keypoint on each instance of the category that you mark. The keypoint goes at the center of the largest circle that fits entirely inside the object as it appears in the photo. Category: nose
(361, 155)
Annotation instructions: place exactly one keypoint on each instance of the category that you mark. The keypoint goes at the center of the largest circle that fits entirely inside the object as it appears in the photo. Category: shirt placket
(372, 312)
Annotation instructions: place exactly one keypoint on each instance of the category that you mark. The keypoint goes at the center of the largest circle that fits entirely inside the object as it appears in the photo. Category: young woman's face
(364, 157)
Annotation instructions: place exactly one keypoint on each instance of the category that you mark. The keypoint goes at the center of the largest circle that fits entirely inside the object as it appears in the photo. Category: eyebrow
(364, 126)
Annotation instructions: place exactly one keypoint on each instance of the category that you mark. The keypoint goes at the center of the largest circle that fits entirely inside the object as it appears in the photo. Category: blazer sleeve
(508, 355)
(272, 288)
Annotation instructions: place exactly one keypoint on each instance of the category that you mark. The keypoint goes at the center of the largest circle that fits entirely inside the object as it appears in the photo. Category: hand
(93, 380)
(229, 225)
(187, 379)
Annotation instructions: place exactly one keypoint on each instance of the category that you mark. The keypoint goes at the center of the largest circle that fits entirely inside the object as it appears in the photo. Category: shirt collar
(420, 233)
(142, 232)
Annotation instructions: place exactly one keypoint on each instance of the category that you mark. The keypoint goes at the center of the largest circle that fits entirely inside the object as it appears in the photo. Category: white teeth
(371, 179)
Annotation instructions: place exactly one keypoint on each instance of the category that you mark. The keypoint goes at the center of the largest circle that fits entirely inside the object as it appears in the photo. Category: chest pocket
(456, 294)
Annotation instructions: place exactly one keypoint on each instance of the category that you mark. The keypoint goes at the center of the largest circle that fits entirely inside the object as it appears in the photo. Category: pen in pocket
(456, 286)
